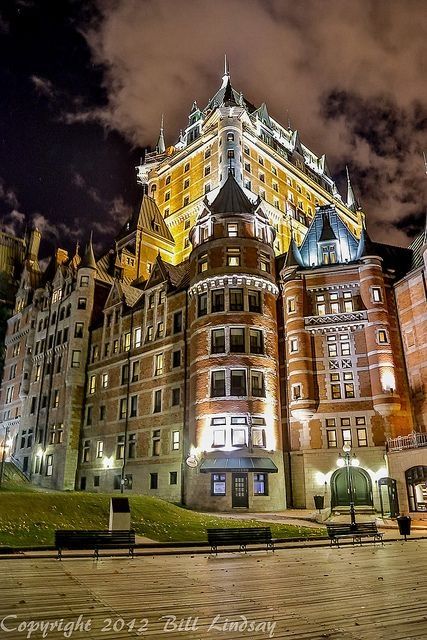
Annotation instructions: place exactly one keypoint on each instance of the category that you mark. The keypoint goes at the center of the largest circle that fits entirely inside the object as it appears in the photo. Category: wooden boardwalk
(351, 593)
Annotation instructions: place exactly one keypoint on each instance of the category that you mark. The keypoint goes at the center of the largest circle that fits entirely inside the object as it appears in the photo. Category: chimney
(34, 244)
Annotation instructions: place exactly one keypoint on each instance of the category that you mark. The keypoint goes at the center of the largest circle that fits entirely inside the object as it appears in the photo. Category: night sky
(84, 84)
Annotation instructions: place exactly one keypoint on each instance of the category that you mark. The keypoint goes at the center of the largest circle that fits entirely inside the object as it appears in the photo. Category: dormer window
(329, 254)
(168, 179)
(230, 137)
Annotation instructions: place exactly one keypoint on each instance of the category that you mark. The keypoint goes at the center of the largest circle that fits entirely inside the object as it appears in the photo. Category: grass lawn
(29, 518)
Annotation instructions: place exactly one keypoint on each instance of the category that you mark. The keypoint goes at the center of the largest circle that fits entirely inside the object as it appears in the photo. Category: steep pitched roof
(88, 261)
(416, 247)
(149, 218)
(327, 231)
(334, 229)
(231, 199)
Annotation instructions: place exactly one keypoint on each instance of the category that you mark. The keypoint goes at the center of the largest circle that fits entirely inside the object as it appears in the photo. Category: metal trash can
(319, 502)
(119, 514)
(404, 523)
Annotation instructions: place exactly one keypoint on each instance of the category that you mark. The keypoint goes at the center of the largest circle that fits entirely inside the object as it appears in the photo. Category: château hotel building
(242, 328)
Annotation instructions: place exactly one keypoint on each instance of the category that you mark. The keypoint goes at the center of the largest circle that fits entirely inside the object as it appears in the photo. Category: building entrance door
(340, 488)
(240, 496)
(387, 488)
(416, 483)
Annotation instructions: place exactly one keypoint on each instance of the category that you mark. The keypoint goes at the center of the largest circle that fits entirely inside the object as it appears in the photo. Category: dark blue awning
(264, 465)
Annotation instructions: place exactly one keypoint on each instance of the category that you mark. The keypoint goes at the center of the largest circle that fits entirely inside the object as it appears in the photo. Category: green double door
(362, 488)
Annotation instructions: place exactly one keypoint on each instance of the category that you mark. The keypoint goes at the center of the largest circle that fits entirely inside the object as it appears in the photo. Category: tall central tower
(234, 412)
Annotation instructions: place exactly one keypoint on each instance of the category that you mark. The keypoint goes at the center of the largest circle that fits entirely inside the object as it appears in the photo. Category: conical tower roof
(231, 198)
(88, 261)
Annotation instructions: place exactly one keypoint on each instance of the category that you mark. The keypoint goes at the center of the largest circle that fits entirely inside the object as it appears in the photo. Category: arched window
(230, 136)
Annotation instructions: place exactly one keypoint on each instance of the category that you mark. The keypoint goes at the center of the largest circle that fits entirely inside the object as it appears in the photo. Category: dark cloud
(351, 74)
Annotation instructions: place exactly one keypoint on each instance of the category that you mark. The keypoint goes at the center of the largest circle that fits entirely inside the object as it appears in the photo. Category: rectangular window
(218, 384)
(104, 380)
(331, 436)
(176, 440)
(133, 406)
(345, 349)
(176, 396)
(137, 337)
(102, 412)
(238, 437)
(232, 230)
(236, 299)
(162, 296)
(218, 438)
(203, 263)
(176, 359)
(135, 371)
(131, 445)
(233, 257)
(349, 390)
(173, 477)
(336, 391)
(89, 412)
(151, 301)
(123, 408)
(296, 391)
(49, 464)
(154, 480)
(78, 330)
(360, 420)
(260, 484)
(202, 304)
(238, 382)
(155, 442)
(237, 340)
(120, 447)
(96, 481)
(157, 405)
(125, 374)
(218, 341)
(149, 334)
(218, 486)
(362, 437)
(293, 345)
(55, 403)
(291, 305)
(160, 327)
(256, 341)
(346, 436)
(177, 322)
(92, 384)
(106, 349)
(258, 437)
(376, 294)
(158, 364)
(217, 300)
(348, 301)
(75, 359)
(264, 262)
(332, 350)
(84, 281)
(257, 384)
(382, 336)
(254, 298)
(126, 341)
(99, 449)
(117, 482)
(81, 303)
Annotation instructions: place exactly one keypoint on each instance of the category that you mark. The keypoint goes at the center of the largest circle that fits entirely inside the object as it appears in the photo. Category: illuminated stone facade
(242, 329)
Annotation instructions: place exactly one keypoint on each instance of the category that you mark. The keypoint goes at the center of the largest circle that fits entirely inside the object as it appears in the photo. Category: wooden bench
(240, 536)
(356, 532)
(96, 540)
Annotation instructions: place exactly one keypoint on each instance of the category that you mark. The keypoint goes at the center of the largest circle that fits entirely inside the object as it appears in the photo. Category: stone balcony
(411, 441)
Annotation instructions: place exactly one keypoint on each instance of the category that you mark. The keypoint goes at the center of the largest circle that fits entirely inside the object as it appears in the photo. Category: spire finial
(160, 146)
(351, 198)
(226, 68)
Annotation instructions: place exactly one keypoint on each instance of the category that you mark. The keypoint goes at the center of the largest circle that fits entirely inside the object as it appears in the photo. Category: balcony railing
(411, 441)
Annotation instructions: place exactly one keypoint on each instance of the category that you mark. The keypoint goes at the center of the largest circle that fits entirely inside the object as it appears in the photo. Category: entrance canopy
(263, 465)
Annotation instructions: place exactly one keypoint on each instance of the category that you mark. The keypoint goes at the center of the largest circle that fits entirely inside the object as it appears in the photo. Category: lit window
(218, 438)
(156, 442)
(362, 437)
(331, 436)
(203, 263)
(336, 391)
(232, 229)
(233, 257)
(218, 484)
(149, 333)
(346, 437)
(217, 300)
(75, 359)
(138, 337)
(260, 484)
(158, 367)
(376, 294)
(202, 304)
(176, 440)
(238, 437)
(120, 447)
(264, 262)
(99, 449)
(258, 437)
(237, 340)
(293, 345)
(291, 305)
(382, 336)
(296, 391)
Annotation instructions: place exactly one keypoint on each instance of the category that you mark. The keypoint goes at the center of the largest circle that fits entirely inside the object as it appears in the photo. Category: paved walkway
(352, 593)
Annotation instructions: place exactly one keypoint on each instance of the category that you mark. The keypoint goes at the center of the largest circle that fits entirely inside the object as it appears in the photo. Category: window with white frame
(293, 345)
(376, 294)
(382, 337)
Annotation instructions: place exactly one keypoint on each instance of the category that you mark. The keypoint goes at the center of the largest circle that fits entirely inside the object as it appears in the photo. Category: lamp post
(3, 456)
(346, 460)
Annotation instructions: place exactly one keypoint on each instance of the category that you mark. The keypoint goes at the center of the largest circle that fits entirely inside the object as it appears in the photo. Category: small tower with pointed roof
(234, 414)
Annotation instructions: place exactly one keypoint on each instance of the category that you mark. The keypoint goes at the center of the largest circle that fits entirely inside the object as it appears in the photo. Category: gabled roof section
(327, 226)
(231, 198)
(165, 272)
(417, 253)
(147, 218)
(262, 113)
(122, 292)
